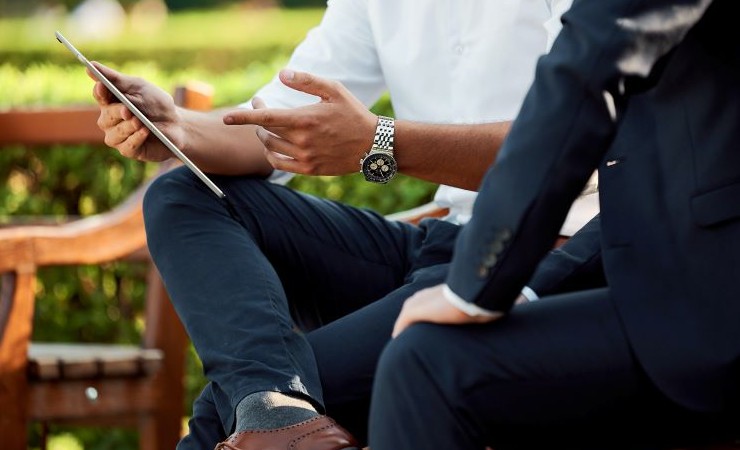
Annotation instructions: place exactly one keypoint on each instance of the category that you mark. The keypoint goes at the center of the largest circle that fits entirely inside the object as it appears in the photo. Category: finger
(132, 147)
(126, 113)
(269, 117)
(402, 322)
(405, 318)
(275, 143)
(258, 103)
(284, 163)
(111, 115)
(122, 132)
(90, 74)
(101, 94)
(310, 84)
(123, 82)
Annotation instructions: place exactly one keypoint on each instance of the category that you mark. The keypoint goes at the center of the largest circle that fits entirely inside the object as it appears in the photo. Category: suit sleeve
(565, 126)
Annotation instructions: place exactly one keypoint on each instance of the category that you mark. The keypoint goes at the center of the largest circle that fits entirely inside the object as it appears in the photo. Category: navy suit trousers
(554, 373)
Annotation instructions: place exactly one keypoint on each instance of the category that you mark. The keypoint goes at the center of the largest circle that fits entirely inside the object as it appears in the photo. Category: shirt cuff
(468, 308)
(529, 294)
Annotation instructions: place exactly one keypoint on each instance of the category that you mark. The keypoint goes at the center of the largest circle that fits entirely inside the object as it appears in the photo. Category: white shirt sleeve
(468, 308)
(553, 25)
(529, 294)
(342, 48)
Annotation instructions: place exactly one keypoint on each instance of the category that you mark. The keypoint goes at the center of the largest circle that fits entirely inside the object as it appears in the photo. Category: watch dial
(379, 168)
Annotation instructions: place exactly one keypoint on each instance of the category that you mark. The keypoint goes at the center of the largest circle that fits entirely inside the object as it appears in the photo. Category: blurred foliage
(25, 7)
(216, 40)
(105, 303)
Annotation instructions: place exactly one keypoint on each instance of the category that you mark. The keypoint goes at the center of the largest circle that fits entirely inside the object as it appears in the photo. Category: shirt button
(459, 49)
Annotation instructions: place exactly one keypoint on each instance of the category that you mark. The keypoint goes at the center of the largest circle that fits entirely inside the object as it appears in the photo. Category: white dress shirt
(442, 61)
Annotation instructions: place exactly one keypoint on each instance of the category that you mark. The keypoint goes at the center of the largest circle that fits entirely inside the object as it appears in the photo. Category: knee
(168, 191)
(168, 188)
(407, 357)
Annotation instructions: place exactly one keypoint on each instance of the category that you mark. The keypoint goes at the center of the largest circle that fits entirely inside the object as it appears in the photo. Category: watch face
(379, 167)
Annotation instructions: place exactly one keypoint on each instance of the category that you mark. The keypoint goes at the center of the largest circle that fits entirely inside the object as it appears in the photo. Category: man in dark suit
(648, 92)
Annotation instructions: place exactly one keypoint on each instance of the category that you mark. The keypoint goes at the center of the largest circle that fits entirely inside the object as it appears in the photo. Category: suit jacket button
(490, 260)
(504, 234)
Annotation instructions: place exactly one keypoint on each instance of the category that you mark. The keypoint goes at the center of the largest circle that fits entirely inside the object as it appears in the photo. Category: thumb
(311, 84)
(123, 82)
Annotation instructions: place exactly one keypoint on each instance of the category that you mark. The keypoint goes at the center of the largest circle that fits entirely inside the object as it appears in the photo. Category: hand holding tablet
(144, 120)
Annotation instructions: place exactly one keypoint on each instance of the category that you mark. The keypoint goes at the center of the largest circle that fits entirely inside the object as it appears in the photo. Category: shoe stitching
(294, 442)
(225, 445)
(277, 430)
(234, 436)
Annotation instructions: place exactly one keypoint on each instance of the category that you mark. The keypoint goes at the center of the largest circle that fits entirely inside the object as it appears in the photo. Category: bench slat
(53, 361)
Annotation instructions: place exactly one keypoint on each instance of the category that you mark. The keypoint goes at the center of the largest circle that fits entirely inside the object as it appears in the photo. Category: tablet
(136, 112)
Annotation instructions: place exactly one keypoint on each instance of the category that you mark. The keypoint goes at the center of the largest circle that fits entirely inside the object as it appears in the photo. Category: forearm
(222, 149)
(455, 155)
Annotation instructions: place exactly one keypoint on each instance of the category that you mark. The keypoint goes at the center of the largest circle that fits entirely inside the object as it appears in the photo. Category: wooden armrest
(101, 238)
(37, 126)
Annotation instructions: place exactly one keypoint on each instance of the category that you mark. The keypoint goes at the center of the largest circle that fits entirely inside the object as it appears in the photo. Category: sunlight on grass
(222, 28)
(64, 442)
(236, 50)
(49, 84)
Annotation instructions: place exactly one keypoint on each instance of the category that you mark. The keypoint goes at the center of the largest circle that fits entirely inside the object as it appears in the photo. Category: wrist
(378, 165)
(470, 309)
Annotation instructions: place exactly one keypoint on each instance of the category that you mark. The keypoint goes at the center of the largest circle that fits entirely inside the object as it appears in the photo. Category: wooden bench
(85, 384)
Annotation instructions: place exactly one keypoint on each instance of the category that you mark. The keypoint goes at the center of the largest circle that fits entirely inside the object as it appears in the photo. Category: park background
(234, 46)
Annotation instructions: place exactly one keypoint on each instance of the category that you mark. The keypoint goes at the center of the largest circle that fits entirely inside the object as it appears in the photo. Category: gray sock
(268, 410)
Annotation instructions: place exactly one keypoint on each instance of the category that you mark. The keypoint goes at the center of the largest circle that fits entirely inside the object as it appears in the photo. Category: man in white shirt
(288, 298)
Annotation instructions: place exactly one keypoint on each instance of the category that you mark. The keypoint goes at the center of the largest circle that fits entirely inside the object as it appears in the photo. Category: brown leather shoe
(319, 433)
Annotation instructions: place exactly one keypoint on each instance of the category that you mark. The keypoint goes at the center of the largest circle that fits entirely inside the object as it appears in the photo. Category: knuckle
(307, 121)
(302, 141)
(106, 119)
(133, 148)
(108, 141)
(311, 169)
(267, 118)
(268, 141)
(310, 164)
(133, 125)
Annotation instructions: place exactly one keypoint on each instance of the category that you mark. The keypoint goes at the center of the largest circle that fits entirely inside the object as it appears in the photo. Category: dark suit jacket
(648, 92)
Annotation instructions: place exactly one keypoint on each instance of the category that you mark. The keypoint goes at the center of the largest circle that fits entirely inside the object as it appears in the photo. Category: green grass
(234, 27)
(213, 39)
(236, 50)
(50, 84)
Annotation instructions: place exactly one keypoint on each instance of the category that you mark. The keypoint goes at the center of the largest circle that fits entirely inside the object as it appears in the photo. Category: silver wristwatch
(378, 165)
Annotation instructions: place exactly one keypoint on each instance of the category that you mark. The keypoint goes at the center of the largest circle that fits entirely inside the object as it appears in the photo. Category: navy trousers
(282, 291)
(555, 373)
